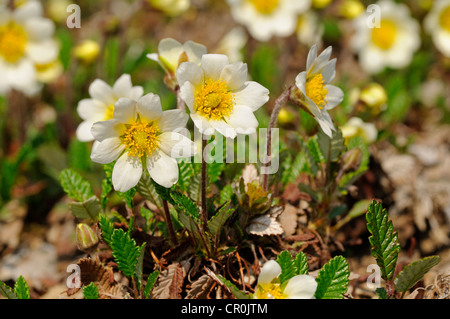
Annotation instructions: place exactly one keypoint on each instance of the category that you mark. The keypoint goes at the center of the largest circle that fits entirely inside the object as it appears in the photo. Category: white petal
(320, 62)
(107, 151)
(329, 71)
(194, 51)
(89, 109)
(223, 128)
(187, 94)
(243, 120)
(335, 96)
(39, 29)
(301, 287)
(312, 55)
(123, 86)
(153, 56)
(189, 72)
(163, 169)
(213, 64)
(172, 120)
(136, 92)
(126, 172)
(28, 10)
(84, 131)
(300, 82)
(176, 145)
(253, 95)
(269, 272)
(149, 107)
(106, 129)
(202, 124)
(234, 75)
(43, 52)
(125, 110)
(101, 91)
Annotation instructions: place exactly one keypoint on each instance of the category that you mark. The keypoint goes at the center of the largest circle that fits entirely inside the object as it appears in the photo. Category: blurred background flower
(437, 24)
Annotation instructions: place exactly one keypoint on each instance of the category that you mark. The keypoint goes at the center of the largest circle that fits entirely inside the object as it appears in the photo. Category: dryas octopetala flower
(437, 23)
(268, 286)
(100, 107)
(171, 7)
(26, 40)
(219, 96)
(142, 136)
(357, 127)
(392, 43)
(171, 53)
(267, 18)
(313, 90)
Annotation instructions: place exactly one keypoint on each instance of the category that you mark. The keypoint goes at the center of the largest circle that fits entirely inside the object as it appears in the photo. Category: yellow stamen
(265, 6)
(213, 100)
(13, 40)
(266, 291)
(141, 139)
(384, 36)
(109, 114)
(317, 91)
(444, 19)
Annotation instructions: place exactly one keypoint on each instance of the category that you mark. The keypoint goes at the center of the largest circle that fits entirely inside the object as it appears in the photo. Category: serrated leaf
(125, 251)
(170, 283)
(331, 148)
(21, 288)
(264, 225)
(140, 266)
(150, 283)
(75, 185)
(214, 170)
(146, 188)
(384, 241)
(90, 291)
(88, 209)
(333, 279)
(186, 171)
(128, 196)
(412, 273)
(225, 194)
(186, 204)
(217, 221)
(301, 264)
(7, 292)
(315, 151)
(382, 293)
(288, 269)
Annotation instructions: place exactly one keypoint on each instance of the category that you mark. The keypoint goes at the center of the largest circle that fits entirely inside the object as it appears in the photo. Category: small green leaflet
(291, 266)
(125, 251)
(7, 292)
(75, 185)
(90, 291)
(414, 272)
(88, 209)
(151, 280)
(333, 279)
(21, 288)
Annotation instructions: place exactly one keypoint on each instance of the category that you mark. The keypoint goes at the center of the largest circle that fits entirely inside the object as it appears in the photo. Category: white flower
(309, 28)
(392, 43)
(171, 7)
(100, 107)
(171, 53)
(357, 127)
(232, 43)
(219, 96)
(25, 41)
(268, 286)
(267, 18)
(142, 136)
(317, 96)
(437, 23)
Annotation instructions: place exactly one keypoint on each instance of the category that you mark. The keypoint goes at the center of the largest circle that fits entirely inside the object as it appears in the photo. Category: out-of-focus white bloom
(268, 285)
(437, 23)
(57, 9)
(171, 53)
(309, 29)
(313, 88)
(25, 41)
(375, 97)
(351, 9)
(267, 18)
(142, 136)
(232, 44)
(392, 43)
(219, 96)
(171, 7)
(357, 127)
(100, 107)
(48, 72)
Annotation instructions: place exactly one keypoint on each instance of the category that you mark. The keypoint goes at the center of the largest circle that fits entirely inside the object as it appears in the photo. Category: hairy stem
(279, 103)
(172, 235)
(204, 180)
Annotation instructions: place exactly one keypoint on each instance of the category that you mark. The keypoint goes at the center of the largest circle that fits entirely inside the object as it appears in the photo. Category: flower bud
(374, 96)
(351, 9)
(87, 239)
(87, 51)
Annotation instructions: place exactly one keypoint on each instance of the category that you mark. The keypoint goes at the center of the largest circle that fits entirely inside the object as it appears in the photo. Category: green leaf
(232, 288)
(151, 280)
(333, 279)
(331, 148)
(7, 292)
(315, 150)
(414, 272)
(88, 209)
(186, 171)
(146, 188)
(214, 170)
(382, 293)
(185, 204)
(21, 288)
(288, 267)
(128, 196)
(75, 185)
(107, 185)
(350, 177)
(384, 241)
(140, 267)
(90, 291)
(225, 194)
(217, 221)
(301, 264)
(125, 251)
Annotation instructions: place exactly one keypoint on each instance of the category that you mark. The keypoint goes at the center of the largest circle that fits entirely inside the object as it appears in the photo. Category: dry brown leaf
(170, 282)
(288, 220)
(200, 288)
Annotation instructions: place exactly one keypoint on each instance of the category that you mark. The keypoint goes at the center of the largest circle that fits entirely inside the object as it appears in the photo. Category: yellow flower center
(265, 6)
(317, 91)
(384, 36)
(13, 40)
(444, 19)
(141, 138)
(266, 291)
(213, 100)
(109, 114)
